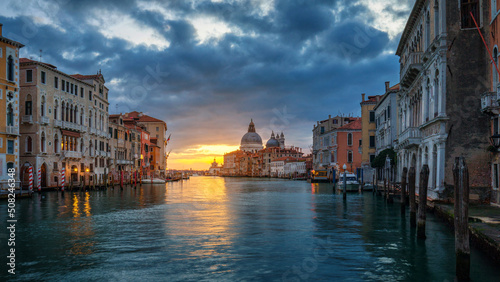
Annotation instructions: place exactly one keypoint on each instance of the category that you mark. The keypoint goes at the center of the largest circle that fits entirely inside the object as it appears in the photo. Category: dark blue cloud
(300, 55)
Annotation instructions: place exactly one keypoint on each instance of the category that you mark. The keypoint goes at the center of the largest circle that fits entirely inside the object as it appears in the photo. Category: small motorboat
(153, 181)
(351, 181)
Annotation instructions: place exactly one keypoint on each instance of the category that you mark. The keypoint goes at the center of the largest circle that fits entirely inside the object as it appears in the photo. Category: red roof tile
(142, 117)
(85, 77)
(353, 125)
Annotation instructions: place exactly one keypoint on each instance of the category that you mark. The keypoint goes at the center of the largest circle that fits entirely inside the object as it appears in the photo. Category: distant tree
(379, 160)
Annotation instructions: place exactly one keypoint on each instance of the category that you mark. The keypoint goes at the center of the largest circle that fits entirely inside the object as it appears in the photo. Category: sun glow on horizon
(200, 157)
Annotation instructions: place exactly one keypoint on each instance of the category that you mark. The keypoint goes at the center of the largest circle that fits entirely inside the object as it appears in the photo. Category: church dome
(272, 143)
(251, 141)
(251, 138)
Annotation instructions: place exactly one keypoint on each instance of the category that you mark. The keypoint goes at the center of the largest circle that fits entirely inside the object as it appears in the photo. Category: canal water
(227, 229)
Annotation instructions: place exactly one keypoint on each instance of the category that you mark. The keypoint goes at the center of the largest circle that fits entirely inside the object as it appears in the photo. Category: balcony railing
(58, 123)
(14, 130)
(93, 131)
(489, 103)
(411, 68)
(72, 155)
(410, 137)
(71, 126)
(44, 120)
(27, 119)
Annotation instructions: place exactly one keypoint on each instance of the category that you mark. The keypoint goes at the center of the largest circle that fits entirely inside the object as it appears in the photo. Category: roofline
(385, 96)
(11, 42)
(409, 24)
(32, 62)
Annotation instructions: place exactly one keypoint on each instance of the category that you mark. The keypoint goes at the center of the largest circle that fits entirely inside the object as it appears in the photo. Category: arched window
(28, 106)
(494, 68)
(427, 30)
(42, 143)
(436, 93)
(81, 146)
(10, 68)
(71, 113)
(349, 139)
(62, 111)
(493, 9)
(56, 144)
(81, 116)
(10, 115)
(67, 112)
(29, 144)
(90, 118)
(76, 115)
(436, 19)
(349, 156)
(55, 109)
(42, 107)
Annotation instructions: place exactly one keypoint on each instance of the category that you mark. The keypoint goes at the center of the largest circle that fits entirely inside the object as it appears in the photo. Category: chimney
(1, 29)
(329, 116)
(387, 83)
(363, 97)
(378, 98)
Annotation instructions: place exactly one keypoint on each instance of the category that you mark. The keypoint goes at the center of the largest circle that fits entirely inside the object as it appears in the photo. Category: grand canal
(211, 228)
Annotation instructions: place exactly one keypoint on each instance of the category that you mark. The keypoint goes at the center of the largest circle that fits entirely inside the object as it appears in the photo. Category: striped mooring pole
(63, 178)
(30, 171)
(39, 182)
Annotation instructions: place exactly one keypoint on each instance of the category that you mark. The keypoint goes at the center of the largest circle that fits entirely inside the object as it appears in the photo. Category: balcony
(489, 103)
(71, 126)
(44, 120)
(108, 154)
(72, 155)
(121, 142)
(410, 137)
(12, 130)
(93, 131)
(27, 119)
(58, 123)
(411, 68)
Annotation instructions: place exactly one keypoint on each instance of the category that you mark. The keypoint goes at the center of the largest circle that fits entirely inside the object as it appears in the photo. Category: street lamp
(345, 182)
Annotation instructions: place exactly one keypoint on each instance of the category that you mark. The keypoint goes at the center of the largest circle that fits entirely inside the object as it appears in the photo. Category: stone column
(440, 165)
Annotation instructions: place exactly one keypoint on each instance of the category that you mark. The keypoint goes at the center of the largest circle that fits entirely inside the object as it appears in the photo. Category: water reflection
(229, 229)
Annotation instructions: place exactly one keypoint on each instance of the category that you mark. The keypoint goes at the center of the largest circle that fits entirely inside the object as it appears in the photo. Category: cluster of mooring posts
(103, 183)
(407, 193)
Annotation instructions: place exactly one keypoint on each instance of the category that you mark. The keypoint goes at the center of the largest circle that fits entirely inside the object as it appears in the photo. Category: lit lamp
(76, 169)
(495, 140)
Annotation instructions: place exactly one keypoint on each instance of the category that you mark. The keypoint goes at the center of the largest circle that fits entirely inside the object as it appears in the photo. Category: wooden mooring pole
(461, 212)
(403, 190)
(422, 201)
(411, 190)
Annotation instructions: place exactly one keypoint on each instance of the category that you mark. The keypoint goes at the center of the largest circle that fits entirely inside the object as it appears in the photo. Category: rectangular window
(349, 156)
(10, 147)
(466, 8)
(29, 75)
(335, 121)
(322, 130)
(372, 116)
(28, 108)
(495, 126)
(71, 88)
(90, 95)
(157, 128)
(67, 86)
(42, 77)
(372, 141)
(56, 82)
(63, 84)
(388, 112)
(81, 92)
(55, 166)
(495, 176)
(372, 157)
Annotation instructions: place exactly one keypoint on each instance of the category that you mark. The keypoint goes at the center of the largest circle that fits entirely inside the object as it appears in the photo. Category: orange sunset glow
(200, 157)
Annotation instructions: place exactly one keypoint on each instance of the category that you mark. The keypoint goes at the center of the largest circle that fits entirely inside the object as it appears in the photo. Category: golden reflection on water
(80, 231)
(203, 214)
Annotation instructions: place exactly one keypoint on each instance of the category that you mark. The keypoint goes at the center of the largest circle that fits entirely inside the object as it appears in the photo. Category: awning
(70, 133)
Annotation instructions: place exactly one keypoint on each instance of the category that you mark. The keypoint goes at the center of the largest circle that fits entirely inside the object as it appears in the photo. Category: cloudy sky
(207, 67)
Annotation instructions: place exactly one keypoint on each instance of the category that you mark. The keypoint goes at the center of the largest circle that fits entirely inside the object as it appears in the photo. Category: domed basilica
(252, 142)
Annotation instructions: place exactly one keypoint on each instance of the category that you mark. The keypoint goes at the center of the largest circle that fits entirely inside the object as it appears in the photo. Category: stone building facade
(442, 60)
(157, 130)
(324, 152)
(9, 103)
(386, 119)
(368, 129)
(63, 124)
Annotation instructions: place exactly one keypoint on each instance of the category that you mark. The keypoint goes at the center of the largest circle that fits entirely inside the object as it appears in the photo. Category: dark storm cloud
(305, 58)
